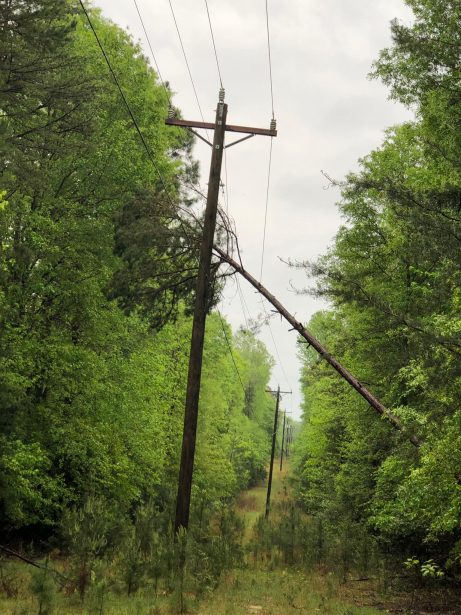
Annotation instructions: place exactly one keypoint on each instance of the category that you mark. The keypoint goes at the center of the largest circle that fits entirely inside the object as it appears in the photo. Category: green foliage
(96, 284)
(108, 554)
(289, 537)
(43, 589)
(392, 279)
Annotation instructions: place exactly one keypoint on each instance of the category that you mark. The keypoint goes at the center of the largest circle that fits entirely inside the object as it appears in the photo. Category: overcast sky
(328, 116)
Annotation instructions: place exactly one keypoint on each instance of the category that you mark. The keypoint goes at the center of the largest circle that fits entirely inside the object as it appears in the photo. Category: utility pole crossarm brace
(199, 136)
(239, 141)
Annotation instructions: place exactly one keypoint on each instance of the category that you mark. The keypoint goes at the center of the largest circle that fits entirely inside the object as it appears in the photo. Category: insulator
(222, 93)
(273, 124)
(170, 113)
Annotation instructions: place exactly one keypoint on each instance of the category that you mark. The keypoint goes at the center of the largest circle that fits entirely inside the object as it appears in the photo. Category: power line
(268, 186)
(167, 94)
(236, 368)
(230, 350)
(270, 62)
(227, 184)
(265, 214)
(149, 153)
(214, 45)
(242, 304)
(152, 52)
(239, 289)
(187, 63)
(277, 351)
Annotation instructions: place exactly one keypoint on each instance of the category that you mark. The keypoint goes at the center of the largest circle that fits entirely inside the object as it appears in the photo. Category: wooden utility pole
(274, 440)
(283, 440)
(198, 327)
(202, 299)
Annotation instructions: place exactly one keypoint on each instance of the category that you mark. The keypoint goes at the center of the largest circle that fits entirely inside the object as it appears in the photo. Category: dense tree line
(96, 284)
(393, 282)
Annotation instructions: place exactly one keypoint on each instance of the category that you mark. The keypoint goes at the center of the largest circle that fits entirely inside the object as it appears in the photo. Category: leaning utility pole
(322, 351)
(274, 439)
(283, 440)
(202, 299)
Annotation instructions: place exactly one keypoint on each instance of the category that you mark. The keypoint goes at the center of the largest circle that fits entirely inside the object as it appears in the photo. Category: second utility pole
(283, 440)
(274, 440)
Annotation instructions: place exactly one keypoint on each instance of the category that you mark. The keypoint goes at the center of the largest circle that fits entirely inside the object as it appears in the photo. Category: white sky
(328, 115)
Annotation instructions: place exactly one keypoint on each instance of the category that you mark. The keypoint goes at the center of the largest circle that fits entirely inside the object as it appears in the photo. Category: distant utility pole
(283, 439)
(203, 294)
(278, 392)
(288, 441)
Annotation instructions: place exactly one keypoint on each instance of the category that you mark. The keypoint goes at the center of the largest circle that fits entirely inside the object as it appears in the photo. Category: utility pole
(274, 439)
(283, 440)
(203, 294)
(322, 351)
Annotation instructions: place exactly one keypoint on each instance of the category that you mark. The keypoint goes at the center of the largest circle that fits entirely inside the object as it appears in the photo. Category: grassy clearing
(241, 592)
(265, 585)
(252, 503)
(278, 593)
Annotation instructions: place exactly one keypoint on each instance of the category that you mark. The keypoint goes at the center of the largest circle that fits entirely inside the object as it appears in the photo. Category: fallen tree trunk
(350, 378)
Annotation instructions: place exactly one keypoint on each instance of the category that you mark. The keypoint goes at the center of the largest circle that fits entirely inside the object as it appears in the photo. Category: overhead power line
(214, 44)
(242, 303)
(270, 61)
(187, 63)
(268, 186)
(146, 147)
(236, 368)
(227, 185)
(265, 213)
(167, 94)
(230, 350)
(277, 351)
(152, 53)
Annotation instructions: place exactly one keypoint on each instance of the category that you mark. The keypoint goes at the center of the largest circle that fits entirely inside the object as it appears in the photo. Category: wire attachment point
(222, 93)
(273, 124)
(170, 113)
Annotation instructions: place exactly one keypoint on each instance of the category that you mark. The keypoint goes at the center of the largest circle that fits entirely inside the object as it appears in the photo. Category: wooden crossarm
(208, 125)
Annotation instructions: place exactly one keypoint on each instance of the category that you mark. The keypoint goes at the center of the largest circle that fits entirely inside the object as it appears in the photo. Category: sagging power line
(146, 147)
(153, 55)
